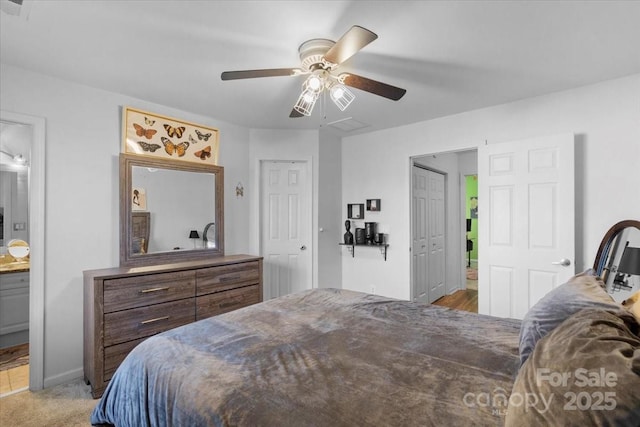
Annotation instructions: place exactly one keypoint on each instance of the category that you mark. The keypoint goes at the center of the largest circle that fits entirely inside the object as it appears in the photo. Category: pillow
(584, 290)
(584, 373)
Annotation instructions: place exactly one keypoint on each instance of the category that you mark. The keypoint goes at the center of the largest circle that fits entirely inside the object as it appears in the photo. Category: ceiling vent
(347, 125)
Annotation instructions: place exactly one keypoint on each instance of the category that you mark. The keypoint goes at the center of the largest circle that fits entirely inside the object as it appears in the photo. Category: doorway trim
(36, 242)
(453, 216)
(445, 178)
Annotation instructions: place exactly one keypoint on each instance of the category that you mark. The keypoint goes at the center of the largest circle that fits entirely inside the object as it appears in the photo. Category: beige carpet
(65, 405)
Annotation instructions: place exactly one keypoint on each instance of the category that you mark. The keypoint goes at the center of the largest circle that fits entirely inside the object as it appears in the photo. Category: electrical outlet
(373, 289)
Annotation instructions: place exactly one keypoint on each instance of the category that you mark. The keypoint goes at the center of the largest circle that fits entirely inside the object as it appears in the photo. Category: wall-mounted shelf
(352, 247)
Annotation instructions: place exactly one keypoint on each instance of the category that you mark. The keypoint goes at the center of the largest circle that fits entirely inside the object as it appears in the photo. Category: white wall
(330, 222)
(604, 117)
(83, 139)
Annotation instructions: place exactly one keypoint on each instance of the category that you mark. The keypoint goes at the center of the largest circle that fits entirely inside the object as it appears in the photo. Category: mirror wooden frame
(605, 245)
(127, 258)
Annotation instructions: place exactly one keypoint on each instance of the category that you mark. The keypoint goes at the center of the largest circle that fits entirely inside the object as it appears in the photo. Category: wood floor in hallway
(465, 299)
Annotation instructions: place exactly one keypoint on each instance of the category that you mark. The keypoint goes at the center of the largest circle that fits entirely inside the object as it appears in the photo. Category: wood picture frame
(154, 135)
(373, 205)
(355, 210)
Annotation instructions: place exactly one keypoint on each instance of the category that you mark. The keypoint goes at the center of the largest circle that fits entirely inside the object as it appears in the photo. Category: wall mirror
(165, 208)
(618, 257)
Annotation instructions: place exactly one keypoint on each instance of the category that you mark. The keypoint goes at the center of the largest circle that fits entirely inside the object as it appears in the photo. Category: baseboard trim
(63, 378)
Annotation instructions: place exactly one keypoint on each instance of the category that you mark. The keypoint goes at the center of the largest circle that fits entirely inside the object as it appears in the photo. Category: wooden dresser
(123, 306)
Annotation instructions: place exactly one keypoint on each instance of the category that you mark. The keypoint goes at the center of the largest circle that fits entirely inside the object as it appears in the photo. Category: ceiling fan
(320, 58)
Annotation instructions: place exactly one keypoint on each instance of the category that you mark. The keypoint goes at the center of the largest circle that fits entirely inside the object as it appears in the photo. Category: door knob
(303, 248)
(563, 262)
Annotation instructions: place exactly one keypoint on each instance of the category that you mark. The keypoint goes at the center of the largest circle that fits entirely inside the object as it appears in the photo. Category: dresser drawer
(127, 325)
(222, 302)
(138, 291)
(115, 354)
(223, 278)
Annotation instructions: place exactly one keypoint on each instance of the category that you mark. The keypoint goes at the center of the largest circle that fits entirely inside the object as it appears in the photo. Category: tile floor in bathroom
(14, 379)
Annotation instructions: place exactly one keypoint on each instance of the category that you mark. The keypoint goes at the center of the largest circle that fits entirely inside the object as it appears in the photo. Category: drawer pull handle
(146, 291)
(157, 319)
(230, 278)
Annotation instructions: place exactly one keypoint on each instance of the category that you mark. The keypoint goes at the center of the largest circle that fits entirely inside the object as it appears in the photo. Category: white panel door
(526, 222)
(420, 240)
(428, 261)
(436, 236)
(286, 228)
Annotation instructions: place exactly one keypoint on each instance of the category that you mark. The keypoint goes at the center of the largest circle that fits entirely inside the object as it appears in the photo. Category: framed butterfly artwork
(154, 135)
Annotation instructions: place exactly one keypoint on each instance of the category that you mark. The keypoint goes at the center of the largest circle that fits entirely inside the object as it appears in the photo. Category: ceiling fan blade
(250, 74)
(349, 44)
(295, 114)
(372, 86)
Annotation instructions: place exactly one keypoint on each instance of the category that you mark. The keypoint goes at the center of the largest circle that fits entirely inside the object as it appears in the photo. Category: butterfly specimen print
(204, 153)
(192, 140)
(148, 121)
(180, 149)
(203, 136)
(147, 133)
(174, 132)
(148, 147)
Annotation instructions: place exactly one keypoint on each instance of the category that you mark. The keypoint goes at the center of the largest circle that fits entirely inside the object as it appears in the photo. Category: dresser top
(161, 268)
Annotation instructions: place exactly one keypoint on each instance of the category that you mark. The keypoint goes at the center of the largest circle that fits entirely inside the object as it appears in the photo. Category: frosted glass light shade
(314, 83)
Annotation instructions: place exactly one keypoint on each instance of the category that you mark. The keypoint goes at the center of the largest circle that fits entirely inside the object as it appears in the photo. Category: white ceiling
(450, 56)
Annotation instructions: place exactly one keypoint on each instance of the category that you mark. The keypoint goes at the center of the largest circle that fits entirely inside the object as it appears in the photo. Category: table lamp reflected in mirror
(629, 266)
(193, 234)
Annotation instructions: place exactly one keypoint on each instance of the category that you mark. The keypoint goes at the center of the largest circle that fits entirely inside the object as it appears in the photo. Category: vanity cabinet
(124, 306)
(14, 309)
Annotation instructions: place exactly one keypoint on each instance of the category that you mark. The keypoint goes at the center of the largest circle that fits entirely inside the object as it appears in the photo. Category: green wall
(471, 202)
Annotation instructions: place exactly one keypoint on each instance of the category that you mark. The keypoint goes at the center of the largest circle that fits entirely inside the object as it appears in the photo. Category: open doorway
(29, 228)
(470, 195)
(15, 149)
(459, 292)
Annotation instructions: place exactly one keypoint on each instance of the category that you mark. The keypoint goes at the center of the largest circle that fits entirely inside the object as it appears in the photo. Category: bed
(330, 357)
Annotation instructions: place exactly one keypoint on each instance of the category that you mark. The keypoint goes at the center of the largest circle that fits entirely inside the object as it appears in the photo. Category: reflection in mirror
(618, 259)
(162, 201)
(177, 202)
(209, 235)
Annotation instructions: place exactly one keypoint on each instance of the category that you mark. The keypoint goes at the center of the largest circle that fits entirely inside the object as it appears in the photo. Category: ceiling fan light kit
(341, 96)
(319, 59)
(306, 102)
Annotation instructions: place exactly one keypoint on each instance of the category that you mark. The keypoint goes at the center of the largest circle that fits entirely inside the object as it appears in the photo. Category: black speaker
(468, 225)
(360, 238)
(369, 232)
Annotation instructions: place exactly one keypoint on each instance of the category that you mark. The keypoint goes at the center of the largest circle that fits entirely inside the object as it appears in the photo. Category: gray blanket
(320, 358)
